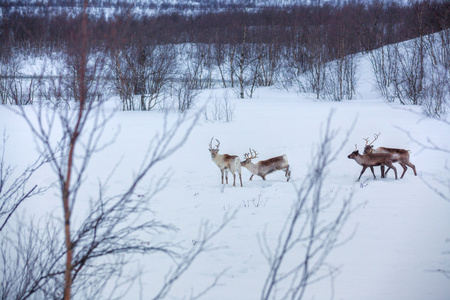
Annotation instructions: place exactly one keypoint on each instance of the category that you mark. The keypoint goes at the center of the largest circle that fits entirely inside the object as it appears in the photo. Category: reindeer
(264, 167)
(401, 155)
(226, 162)
(371, 160)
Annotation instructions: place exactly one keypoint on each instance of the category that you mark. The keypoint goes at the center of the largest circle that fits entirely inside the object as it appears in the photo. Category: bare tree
(340, 80)
(439, 184)
(142, 69)
(384, 66)
(9, 74)
(409, 79)
(219, 57)
(244, 57)
(186, 92)
(317, 58)
(30, 260)
(436, 96)
(122, 80)
(93, 244)
(222, 110)
(310, 233)
(295, 66)
(14, 189)
(199, 64)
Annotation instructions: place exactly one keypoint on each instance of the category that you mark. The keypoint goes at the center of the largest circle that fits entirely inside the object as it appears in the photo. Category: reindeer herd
(370, 158)
(382, 157)
(232, 163)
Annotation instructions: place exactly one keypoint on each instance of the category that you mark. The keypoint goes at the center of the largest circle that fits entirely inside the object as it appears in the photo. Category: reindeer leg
(221, 171)
(412, 167)
(383, 175)
(226, 176)
(373, 172)
(390, 165)
(240, 178)
(251, 177)
(234, 179)
(362, 172)
(288, 173)
(404, 169)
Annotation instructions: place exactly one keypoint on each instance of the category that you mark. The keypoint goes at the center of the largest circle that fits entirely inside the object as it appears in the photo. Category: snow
(395, 239)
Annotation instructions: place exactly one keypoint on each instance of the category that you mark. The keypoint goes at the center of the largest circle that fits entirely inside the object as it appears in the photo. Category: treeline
(359, 25)
(310, 48)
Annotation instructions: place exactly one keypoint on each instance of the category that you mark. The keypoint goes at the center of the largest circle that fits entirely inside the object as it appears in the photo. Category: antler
(376, 137)
(252, 154)
(356, 147)
(367, 140)
(217, 146)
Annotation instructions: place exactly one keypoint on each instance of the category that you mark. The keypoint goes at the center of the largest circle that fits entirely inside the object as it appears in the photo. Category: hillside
(393, 245)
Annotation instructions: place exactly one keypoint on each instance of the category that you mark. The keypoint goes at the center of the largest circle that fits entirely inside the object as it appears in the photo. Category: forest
(307, 47)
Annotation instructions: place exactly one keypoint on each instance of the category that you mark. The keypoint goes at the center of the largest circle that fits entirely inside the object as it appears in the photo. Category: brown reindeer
(226, 162)
(371, 160)
(401, 155)
(264, 167)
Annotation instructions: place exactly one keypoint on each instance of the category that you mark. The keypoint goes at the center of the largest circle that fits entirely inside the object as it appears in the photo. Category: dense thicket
(310, 47)
(358, 25)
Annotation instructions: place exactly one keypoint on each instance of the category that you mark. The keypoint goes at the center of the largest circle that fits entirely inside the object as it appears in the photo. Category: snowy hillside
(395, 241)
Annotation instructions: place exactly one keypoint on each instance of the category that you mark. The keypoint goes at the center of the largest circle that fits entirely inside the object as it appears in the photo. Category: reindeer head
(214, 151)
(249, 156)
(354, 153)
(368, 148)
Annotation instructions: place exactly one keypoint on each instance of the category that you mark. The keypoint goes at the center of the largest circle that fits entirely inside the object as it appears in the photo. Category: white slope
(397, 235)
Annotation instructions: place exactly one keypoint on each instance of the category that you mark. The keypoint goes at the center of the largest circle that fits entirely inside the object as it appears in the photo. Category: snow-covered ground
(398, 234)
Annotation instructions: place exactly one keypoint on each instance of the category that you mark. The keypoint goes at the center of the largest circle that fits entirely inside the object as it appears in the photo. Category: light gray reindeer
(226, 163)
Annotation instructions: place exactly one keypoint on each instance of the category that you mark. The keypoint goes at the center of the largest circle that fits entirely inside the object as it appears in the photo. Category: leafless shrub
(122, 81)
(31, 260)
(436, 96)
(408, 81)
(15, 89)
(185, 93)
(340, 81)
(14, 189)
(384, 67)
(200, 245)
(23, 91)
(142, 70)
(436, 99)
(415, 73)
(439, 184)
(223, 110)
(199, 62)
(309, 234)
(92, 243)
(256, 202)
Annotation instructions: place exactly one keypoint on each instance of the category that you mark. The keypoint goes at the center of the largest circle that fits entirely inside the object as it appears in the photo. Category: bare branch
(207, 233)
(306, 231)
